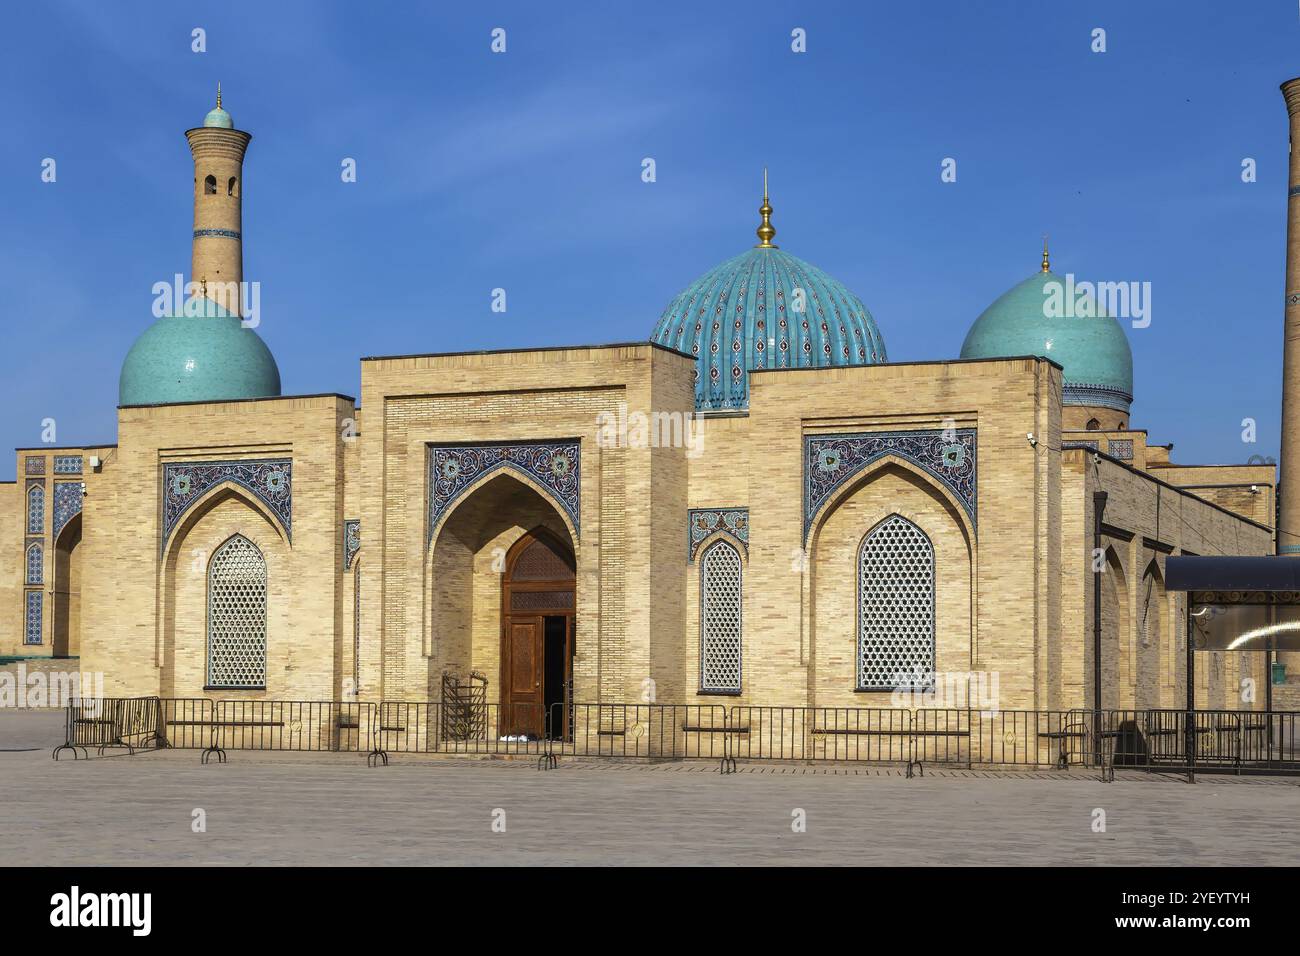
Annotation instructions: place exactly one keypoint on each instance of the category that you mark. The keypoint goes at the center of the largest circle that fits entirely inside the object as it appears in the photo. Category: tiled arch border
(832, 460)
(184, 484)
(554, 465)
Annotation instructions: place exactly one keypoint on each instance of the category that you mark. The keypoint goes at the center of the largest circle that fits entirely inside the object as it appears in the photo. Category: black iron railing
(1153, 739)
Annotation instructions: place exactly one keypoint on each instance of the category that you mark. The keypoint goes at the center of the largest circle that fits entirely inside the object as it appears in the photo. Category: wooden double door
(538, 599)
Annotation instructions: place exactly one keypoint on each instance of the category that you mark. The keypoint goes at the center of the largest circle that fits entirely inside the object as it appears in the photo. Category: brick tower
(218, 258)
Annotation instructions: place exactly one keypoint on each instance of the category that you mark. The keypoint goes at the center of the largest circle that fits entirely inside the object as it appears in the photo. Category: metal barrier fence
(188, 722)
(129, 722)
(658, 731)
(1157, 740)
(1240, 741)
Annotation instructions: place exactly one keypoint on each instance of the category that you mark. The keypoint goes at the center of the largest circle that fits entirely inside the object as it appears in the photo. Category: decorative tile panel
(32, 621)
(68, 496)
(1102, 396)
(1121, 448)
(702, 522)
(555, 465)
(351, 541)
(34, 465)
(830, 461)
(269, 480)
(67, 464)
(35, 564)
(1066, 446)
(36, 508)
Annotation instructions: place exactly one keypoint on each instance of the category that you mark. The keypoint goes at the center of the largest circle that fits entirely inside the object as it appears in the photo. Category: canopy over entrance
(1239, 604)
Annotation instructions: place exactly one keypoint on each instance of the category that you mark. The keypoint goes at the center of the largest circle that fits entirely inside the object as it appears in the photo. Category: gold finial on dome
(765, 230)
(1047, 265)
(218, 94)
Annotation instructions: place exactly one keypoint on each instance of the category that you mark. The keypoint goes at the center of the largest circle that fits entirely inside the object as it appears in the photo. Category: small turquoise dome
(1093, 350)
(765, 309)
(203, 355)
(219, 117)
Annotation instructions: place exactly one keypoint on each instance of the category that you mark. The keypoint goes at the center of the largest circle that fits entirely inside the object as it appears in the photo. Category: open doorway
(557, 671)
(537, 610)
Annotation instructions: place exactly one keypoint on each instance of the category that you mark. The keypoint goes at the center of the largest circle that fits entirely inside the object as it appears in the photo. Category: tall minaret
(1288, 525)
(218, 262)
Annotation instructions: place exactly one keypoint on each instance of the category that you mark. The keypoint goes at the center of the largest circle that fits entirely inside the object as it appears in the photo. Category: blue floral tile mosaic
(555, 465)
(270, 480)
(703, 522)
(829, 461)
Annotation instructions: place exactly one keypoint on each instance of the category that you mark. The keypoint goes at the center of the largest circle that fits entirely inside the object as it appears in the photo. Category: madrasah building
(753, 505)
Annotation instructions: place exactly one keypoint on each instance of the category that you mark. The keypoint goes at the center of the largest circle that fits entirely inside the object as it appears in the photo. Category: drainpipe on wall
(1098, 509)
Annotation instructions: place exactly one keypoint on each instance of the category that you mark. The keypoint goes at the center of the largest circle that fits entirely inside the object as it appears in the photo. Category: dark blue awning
(1232, 574)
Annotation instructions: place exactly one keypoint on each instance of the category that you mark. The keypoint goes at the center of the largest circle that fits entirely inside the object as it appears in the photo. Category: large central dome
(765, 309)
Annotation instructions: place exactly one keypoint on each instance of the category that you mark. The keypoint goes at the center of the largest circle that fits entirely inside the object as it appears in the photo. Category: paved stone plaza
(331, 809)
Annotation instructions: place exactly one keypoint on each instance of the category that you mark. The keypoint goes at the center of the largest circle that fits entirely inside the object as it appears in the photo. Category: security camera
(1096, 458)
(1029, 436)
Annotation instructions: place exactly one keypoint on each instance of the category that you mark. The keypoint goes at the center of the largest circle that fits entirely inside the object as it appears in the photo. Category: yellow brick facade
(1013, 586)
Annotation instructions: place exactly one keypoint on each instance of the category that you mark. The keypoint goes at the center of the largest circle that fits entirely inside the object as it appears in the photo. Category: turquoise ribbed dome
(1093, 351)
(202, 355)
(743, 315)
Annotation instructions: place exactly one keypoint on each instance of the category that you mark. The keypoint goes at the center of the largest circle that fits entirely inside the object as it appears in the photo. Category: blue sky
(522, 171)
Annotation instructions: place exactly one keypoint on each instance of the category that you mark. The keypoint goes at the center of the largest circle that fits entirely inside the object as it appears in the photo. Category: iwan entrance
(537, 635)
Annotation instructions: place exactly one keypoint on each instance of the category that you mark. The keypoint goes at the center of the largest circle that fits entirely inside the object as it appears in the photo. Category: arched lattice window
(895, 607)
(230, 186)
(36, 509)
(720, 602)
(36, 564)
(210, 185)
(237, 615)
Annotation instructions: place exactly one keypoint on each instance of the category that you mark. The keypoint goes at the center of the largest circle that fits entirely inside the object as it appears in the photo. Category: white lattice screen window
(237, 615)
(720, 602)
(895, 607)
